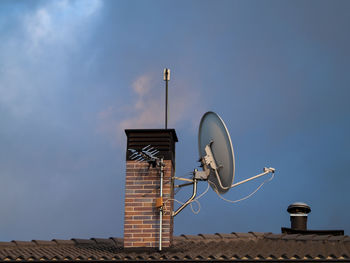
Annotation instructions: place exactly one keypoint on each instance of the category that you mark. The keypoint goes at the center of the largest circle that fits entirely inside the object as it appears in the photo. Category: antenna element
(148, 154)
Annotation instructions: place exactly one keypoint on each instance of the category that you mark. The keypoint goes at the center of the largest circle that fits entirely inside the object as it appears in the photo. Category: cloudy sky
(75, 74)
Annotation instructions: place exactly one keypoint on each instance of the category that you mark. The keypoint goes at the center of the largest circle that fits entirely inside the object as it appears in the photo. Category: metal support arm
(183, 179)
(195, 180)
(266, 171)
(189, 200)
(182, 185)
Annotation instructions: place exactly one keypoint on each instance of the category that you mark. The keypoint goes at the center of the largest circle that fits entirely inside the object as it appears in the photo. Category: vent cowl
(298, 219)
(298, 215)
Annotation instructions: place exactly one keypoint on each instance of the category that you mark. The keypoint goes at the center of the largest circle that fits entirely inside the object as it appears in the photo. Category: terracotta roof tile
(336, 238)
(118, 241)
(63, 242)
(24, 243)
(259, 234)
(234, 246)
(224, 235)
(192, 237)
(243, 235)
(209, 236)
(273, 236)
(321, 237)
(44, 243)
(7, 244)
(84, 242)
(305, 237)
(178, 239)
(104, 241)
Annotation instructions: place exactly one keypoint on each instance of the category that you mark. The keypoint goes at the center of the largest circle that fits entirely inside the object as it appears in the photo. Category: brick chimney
(142, 189)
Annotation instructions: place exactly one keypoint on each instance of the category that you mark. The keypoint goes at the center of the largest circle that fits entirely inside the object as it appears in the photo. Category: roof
(250, 246)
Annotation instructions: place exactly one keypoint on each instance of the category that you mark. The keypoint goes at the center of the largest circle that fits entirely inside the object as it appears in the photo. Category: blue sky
(75, 74)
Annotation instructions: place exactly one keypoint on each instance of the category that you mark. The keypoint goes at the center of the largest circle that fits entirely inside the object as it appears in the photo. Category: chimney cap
(299, 207)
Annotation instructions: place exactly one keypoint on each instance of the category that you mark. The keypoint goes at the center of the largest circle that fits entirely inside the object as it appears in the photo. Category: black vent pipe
(298, 215)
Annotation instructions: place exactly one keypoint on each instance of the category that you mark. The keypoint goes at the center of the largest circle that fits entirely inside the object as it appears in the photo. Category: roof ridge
(112, 241)
(200, 236)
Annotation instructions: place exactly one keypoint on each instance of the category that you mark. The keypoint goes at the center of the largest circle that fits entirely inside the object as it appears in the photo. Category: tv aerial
(216, 159)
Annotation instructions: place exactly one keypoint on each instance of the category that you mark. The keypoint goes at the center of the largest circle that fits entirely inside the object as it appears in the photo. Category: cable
(244, 198)
(191, 203)
(181, 203)
(197, 202)
(177, 190)
(220, 196)
(202, 194)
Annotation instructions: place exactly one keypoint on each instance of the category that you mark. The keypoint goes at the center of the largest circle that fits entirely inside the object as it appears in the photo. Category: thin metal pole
(166, 78)
(166, 101)
(161, 208)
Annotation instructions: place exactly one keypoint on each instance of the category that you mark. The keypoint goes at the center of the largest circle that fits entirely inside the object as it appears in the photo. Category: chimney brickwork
(142, 188)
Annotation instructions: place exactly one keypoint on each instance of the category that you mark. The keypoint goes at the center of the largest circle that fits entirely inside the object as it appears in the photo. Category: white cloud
(34, 57)
(142, 85)
(39, 26)
(141, 112)
(58, 21)
(146, 110)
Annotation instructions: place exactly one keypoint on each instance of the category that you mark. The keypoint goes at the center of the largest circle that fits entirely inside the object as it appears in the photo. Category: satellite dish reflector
(217, 159)
(216, 152)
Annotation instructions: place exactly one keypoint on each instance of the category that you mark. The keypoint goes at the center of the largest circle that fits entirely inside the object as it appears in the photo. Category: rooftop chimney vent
(298, 215)
(298, 218)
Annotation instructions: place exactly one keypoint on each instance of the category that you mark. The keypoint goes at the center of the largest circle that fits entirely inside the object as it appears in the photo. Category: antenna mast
(166, 78)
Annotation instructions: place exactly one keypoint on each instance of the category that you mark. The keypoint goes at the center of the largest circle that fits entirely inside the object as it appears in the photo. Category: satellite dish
(217, 159)
(214, 139)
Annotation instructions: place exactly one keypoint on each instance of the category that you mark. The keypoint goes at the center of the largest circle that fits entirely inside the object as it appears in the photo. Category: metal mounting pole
(161, 207)
(166, 78)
